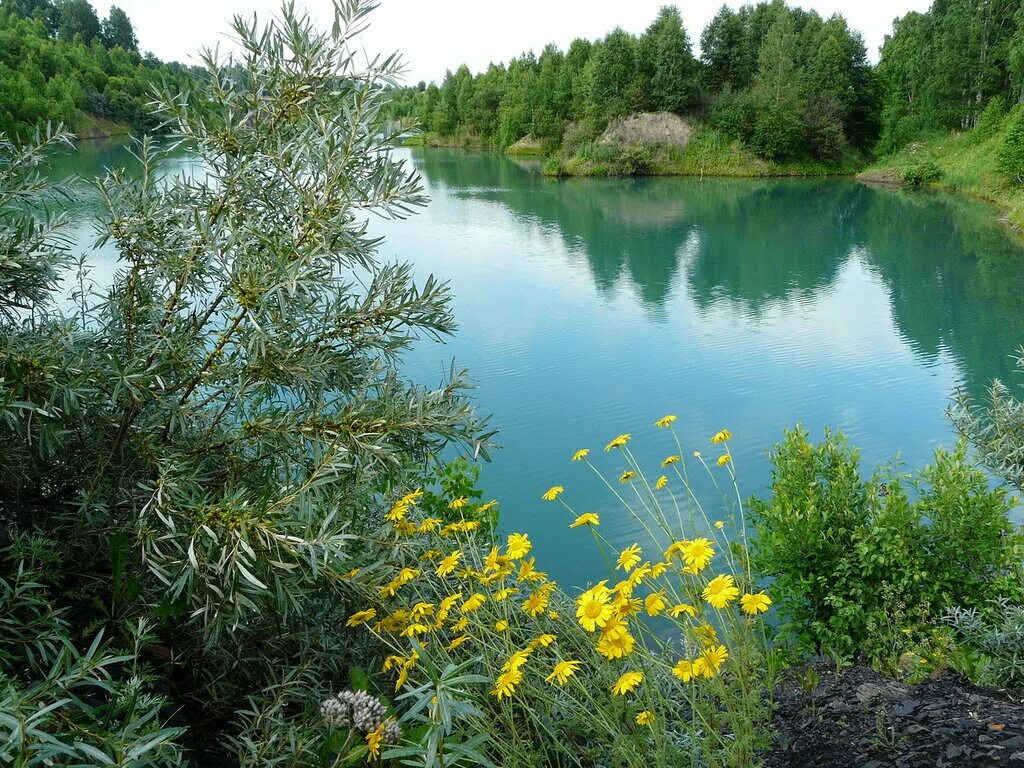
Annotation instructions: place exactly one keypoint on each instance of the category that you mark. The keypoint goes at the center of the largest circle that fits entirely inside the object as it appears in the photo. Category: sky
(435, 35)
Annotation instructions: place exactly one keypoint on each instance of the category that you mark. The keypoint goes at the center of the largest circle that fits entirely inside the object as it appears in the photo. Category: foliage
(58, 61)
(939, 69)
(995, 631)
(201, 447)
(545, 687)
(921, 171)
(803, 84)
(1010, 160)
(995, 429)
(861, 568)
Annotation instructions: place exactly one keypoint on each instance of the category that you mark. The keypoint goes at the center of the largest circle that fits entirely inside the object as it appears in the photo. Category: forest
(60, 63)
(787, 83)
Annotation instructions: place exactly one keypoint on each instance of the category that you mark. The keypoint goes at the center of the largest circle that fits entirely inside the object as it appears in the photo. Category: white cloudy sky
(435, 35)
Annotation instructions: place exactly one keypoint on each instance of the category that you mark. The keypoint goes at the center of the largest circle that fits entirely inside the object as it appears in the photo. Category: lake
(593, 307)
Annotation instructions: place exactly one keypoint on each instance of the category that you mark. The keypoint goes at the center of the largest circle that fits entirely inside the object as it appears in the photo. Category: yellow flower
(518, 546)
(755, 603)
(636, 578)
(543, 641)
(460, 625)
(404, 528)
(458, 503)
(683, 670)
(449, 564)
(721, 437)
(373, 741)
(724, 459)
(447, 604)
(517, 660)
(661, 483)
(501, 626)
(646, 717)
(487, 507)
(627, 683)
(665, 421)
(626, 476)
(553, 493)
(493, 561)
(581, 454)
(682, 609)
(361, 617)
(457, 642)
(416, 629)
(698, 553)
(473, 602)
(504, 594)
(670, 460)
(587, 518)
(538, 600)
(562, 671)
(711, 660)
(721, 591)
(618, 442)
(628, 558)
(529, 572)
(553, 615)
(506, 683)
(655, 603)
(658, 570)
(593, 608)
(617, 644)
(719, 524)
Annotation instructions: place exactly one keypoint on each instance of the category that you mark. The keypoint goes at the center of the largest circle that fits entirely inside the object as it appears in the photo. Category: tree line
(60, 61)
(787, 82)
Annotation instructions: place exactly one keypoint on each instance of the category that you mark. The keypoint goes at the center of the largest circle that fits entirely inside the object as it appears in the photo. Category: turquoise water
(589, 308)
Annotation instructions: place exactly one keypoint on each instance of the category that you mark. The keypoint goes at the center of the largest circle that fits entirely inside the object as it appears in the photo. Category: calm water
(588, 308)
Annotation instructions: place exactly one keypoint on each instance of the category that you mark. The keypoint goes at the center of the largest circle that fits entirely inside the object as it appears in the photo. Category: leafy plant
(921, 171)
(994, 630)
(201, 447)
(862, 569)
(995, 428)
(1010, 159)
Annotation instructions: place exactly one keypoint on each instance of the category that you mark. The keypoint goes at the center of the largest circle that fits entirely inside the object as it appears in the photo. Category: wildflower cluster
(466, 597)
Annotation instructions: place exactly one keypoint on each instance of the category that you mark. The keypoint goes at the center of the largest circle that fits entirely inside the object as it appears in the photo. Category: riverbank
(964, 163)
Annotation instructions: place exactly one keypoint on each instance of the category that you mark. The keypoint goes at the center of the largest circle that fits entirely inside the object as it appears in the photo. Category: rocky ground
(856, 717)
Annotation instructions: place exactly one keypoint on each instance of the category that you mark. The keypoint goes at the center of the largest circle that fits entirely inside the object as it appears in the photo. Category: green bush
(991, 119)
(198, 450)
(1010, 159)
(862, 569)
(921, 171)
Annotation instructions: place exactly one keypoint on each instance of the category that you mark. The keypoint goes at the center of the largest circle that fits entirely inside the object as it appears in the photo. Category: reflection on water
(593, 307)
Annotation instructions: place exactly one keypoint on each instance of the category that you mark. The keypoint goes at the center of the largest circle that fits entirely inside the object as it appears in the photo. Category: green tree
(117, 30)
(78, 19)
(724, 51)
(778, 128)
(613, 83)
(666, 64)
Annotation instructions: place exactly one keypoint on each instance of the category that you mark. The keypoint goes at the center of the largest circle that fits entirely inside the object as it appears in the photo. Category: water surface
(590, 307)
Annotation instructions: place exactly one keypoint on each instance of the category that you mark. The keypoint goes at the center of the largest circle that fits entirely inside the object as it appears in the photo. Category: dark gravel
(856, 717)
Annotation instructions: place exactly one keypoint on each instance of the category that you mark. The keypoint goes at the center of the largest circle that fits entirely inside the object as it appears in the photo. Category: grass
(708, 153)
(967, 163)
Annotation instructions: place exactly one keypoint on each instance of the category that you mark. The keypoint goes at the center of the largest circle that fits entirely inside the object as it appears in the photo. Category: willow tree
(187, 459)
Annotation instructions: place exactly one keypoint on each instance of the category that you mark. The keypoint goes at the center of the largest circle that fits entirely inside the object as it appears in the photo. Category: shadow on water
(954, 275)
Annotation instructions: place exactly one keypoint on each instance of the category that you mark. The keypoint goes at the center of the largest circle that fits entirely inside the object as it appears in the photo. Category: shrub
(861, 570)
(200, 447)
(996, 632)
(994, 428)
(991, 119)
(921, 171)
(1010, 159)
